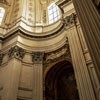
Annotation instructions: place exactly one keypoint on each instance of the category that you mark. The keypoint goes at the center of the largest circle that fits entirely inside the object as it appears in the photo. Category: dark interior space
(60, 83)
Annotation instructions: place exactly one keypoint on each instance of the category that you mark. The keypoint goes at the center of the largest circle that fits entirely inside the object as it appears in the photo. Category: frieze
(16, 52)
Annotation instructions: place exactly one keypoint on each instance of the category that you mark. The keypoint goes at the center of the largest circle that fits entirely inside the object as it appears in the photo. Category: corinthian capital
(70, 19)
(1, 58)
(16, 52)
(37, 57)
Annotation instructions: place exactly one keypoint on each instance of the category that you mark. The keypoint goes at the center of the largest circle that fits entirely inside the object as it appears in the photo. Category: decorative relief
(70, 19)
(58, 54)
(30, 11)
(37, 57)
(16, 52)
(16, 10)
(3, 1)
(44, 16)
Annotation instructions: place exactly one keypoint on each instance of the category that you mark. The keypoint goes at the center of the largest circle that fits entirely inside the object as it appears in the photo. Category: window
(2, 11)
(53, 13)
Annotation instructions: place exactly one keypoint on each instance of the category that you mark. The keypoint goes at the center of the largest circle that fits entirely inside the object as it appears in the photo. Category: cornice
(21, 31)
(61, 3)
(29, 48)
(24, 89)
(36, 56)
(68, 22)
(43, 35)
(32, 30)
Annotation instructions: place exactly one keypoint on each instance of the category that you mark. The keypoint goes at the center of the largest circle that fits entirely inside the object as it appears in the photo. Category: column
(37, 58)
(84, 84)
(90, 22)
(12, 78)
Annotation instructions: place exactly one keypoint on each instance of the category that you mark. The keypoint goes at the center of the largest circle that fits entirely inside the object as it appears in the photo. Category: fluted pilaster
(84, 85)
(37, 58)
(90, 22)
(11, 82)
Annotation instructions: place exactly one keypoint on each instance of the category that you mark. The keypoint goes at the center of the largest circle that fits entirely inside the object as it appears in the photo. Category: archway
(60, 83)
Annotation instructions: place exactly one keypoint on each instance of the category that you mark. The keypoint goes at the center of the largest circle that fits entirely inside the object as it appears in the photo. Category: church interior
(49, 49)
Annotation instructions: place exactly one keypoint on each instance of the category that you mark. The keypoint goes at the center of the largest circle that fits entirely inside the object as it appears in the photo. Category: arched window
(2, 11)
(53, 13)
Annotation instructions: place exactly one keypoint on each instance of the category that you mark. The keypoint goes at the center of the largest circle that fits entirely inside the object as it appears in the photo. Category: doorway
(60, 83)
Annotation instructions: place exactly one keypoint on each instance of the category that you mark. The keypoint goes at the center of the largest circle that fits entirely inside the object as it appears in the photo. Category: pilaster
(84, 85)
(89, 20)
(37, 58)
(11, 82)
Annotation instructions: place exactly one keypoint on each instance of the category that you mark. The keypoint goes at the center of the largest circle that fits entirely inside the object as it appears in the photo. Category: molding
(46, 49)
(45, 30)
(22, 32)
(63, 2)
(24, 89)
(37, 57)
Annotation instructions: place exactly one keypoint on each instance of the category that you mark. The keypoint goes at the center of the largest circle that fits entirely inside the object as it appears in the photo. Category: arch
(53, 13)
(68, 59)
(2, 12)
(56, 74)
